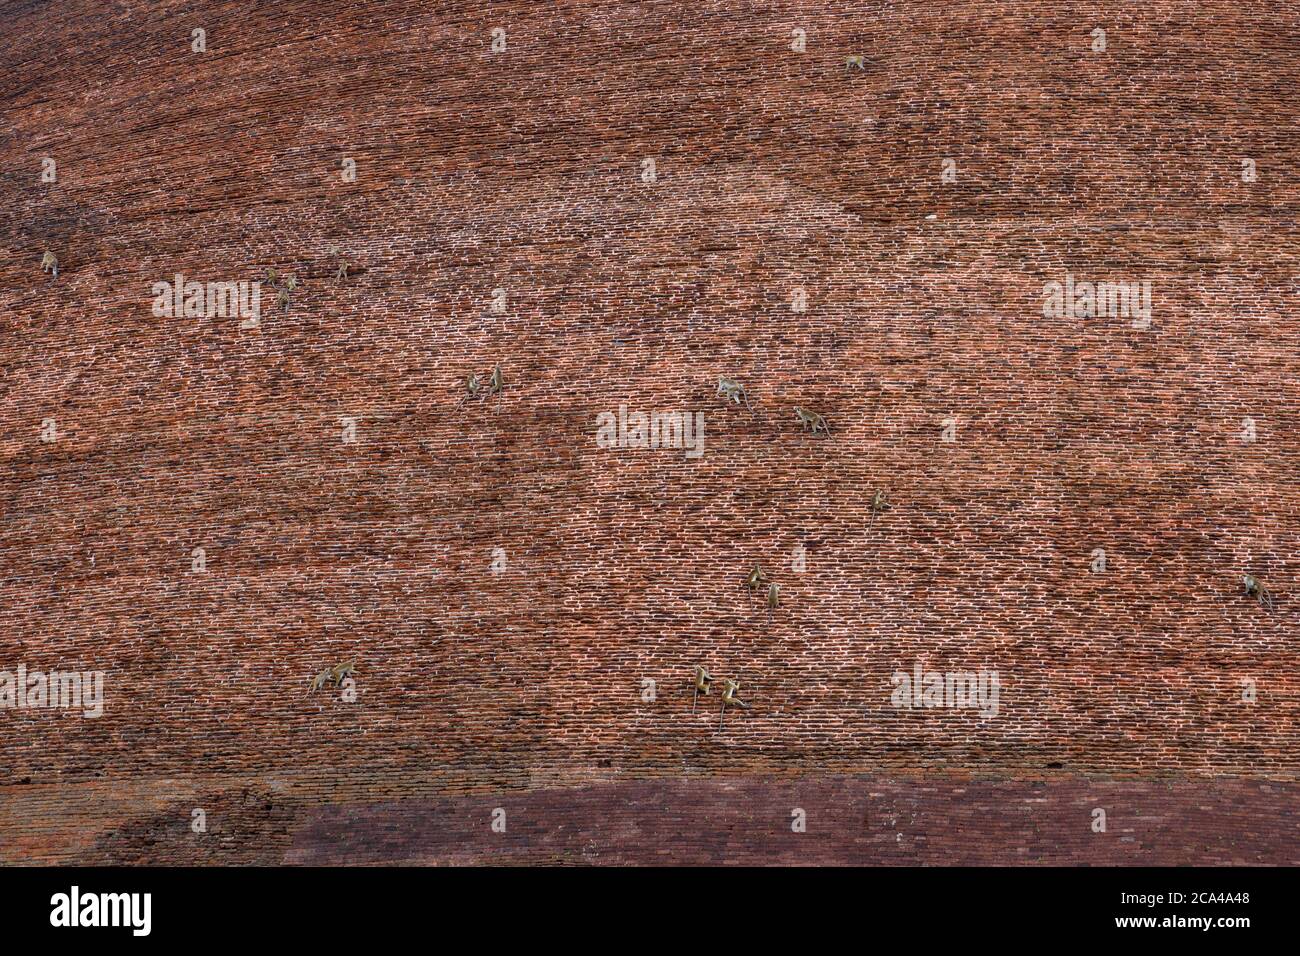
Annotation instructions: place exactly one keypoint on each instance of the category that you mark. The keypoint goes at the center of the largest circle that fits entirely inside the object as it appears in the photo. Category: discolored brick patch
(859, 821)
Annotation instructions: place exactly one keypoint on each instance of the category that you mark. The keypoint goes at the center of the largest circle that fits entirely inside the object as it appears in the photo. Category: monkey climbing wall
(1033, 265)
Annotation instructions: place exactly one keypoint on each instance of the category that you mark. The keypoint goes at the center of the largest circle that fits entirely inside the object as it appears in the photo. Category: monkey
(290, 283)
(729, 697)
(334, 675)
(703, 684)
(878, 504)
(732, 390)
(813, 422)
(773, 599)
(283, 299)
(1256, 589)
(343, 671)
(472, 387)
(729, 694)
(342, 272)
(271, 277)
(50, 261)
(495, 384)
(755, 579)
(852, 61)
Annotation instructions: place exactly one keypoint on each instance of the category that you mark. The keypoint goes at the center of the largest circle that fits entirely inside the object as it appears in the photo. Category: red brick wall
(775, 170)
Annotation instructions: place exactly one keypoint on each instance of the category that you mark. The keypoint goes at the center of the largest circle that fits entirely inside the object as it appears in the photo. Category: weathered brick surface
(776, 170)
(939, 819)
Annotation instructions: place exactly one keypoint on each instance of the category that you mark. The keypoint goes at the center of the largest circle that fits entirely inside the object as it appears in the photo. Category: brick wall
(775, 170)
